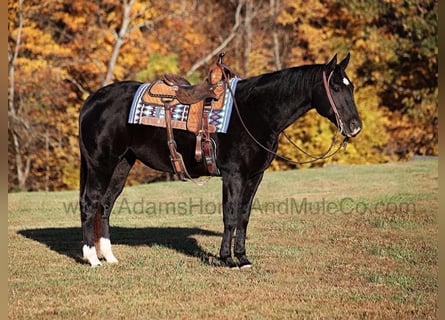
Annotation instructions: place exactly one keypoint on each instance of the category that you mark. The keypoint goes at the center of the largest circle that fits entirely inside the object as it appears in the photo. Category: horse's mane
(287, 80)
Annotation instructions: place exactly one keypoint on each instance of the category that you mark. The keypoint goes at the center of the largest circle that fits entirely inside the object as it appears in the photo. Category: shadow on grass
(67, 241)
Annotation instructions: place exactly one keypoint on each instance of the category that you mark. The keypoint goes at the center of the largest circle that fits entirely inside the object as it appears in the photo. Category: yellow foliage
(66, 47)
(314, 134)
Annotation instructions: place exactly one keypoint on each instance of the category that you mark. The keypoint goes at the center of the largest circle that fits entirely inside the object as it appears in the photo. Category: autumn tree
(49, 86)
(36, 80)
(62, 51)
(394, 68)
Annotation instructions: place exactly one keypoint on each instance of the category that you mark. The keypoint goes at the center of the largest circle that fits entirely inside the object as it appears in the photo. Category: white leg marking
(89, 254)
(105, 249)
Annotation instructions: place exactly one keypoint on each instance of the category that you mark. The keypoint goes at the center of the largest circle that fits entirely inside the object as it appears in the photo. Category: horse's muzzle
(355, 126)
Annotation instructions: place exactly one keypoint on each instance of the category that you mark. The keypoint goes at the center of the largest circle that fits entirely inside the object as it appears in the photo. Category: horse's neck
(280, 98)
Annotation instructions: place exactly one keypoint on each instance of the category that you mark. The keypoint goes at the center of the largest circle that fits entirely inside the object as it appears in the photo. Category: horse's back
(109, 96)
(103, 117)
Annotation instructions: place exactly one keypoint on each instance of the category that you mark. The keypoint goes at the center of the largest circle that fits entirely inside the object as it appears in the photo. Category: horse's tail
(83, 174)
(97, 227)
(83, 160)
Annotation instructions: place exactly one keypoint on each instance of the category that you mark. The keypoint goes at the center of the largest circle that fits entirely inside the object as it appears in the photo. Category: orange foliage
(65, 50)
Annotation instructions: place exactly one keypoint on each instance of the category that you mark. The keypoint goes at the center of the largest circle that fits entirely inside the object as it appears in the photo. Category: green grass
(340, 242)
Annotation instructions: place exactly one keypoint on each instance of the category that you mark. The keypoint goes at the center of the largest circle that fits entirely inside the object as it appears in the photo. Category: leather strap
(175, 156)
(198, 147)
(331, 99)
(209, 155)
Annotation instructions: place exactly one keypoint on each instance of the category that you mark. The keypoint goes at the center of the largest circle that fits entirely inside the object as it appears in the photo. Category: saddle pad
(141, 112)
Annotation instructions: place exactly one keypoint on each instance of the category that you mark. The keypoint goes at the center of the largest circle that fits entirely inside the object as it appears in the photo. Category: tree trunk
(248, 35)
(274, 5)
(22, 166)
(223, 44)
(120, 39)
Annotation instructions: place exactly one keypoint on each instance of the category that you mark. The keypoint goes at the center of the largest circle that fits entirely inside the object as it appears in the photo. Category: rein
(324, 155)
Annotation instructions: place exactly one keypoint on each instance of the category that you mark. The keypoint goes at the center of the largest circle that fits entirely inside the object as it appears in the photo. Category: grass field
(343, 242)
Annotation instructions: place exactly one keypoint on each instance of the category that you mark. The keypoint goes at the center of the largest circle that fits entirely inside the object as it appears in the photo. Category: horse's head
(334, 98)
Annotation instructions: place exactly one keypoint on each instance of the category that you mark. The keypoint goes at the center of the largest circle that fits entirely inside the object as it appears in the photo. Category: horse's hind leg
(94, 183)
(114, 189)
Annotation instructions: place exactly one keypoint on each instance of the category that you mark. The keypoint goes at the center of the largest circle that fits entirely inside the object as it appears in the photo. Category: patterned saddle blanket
(154, 114)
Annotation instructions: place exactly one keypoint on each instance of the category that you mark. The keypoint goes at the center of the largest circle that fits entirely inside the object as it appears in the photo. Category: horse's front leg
(232, 189)
(246, 200)
(238, 194)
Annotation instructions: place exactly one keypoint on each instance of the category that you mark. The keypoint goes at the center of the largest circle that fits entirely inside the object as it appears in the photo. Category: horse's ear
(344, 63)
(330, 66)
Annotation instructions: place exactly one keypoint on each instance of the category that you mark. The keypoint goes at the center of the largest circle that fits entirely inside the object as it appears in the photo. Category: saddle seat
(187, 93)
(162, 94)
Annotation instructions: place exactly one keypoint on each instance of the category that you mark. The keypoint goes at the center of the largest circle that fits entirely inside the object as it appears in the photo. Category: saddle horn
(221, 55)
(220, 71)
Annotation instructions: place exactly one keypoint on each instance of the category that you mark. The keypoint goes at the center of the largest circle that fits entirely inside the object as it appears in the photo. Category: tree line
(62, 51)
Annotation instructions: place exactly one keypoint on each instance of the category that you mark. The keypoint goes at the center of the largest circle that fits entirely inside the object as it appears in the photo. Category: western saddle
(172, 90)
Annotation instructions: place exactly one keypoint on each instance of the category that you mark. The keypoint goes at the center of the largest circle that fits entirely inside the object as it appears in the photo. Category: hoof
(95, 264)
(111, 259)
(228, 262)
(90, 255)
(105, 250)
(244, 263)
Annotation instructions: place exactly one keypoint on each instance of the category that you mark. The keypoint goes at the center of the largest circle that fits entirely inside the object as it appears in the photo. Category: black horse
(267, 104)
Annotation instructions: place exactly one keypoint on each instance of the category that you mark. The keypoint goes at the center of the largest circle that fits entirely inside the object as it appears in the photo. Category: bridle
(331, 100)
(324, 155)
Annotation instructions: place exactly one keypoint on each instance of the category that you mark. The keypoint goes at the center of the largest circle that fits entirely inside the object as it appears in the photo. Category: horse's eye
(336, 88)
